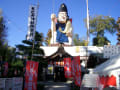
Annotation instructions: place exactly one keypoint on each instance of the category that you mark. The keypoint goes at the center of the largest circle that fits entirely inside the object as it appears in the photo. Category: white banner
(88, 78)
(17, 83)
(2, 83)
(118, 80)
(32, 22)
(8, 83)
(14, 83)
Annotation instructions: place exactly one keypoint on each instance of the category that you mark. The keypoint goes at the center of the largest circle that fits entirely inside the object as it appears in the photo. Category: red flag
(31, 75)
(77, 67)
(67, 67)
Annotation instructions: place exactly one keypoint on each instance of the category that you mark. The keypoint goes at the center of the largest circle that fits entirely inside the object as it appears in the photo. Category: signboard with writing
(111, 50)
(32, 22)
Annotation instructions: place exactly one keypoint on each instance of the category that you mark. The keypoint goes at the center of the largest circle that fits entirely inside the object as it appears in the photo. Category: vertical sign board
(32, 19)
(31, 75)
(67, 67)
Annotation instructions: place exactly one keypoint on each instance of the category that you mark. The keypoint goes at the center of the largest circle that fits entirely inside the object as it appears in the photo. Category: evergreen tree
(27, 46)
(26, 49)
(99, 25)
(3, 35)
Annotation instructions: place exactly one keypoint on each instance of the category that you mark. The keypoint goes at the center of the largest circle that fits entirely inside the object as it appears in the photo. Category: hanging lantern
(61, 63)
(56, 63)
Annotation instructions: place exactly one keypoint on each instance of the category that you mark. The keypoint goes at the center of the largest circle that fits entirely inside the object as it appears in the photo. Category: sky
(16, 14)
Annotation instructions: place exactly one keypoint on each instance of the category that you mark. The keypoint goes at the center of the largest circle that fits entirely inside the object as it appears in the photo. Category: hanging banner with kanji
(67, 67)
(32, 22)
(31, 75)
(76, 68)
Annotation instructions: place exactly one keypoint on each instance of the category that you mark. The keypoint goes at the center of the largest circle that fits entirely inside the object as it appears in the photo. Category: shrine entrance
(59, 74)
(58, 64)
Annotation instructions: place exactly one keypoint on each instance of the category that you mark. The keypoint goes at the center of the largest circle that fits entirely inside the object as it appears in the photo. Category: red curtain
(67, 67)
(31, 75)
(73, 69)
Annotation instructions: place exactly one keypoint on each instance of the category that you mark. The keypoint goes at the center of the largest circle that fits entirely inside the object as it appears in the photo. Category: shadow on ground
(50, 85)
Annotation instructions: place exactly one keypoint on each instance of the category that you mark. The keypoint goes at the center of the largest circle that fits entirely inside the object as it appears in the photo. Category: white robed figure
(61, 28)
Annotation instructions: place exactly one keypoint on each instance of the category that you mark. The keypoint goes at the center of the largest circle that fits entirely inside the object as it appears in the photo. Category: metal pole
(87, 33)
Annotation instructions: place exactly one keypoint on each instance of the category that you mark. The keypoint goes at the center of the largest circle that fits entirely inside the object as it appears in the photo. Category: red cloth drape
(108, 81)
(111, 81)
(67, 67)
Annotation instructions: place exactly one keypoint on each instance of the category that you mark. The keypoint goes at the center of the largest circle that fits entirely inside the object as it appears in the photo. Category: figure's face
(62, 17)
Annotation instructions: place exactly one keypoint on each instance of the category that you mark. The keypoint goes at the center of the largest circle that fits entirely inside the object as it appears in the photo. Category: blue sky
(16, 13)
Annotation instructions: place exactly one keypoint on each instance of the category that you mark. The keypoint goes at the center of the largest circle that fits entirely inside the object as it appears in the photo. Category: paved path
(57, 86)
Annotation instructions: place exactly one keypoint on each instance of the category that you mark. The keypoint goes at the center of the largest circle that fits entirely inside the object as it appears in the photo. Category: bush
(40, 87)
(74, 87)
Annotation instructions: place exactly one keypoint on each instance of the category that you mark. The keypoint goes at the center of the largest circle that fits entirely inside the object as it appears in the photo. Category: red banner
(31, 75)
(5, 69)
(76, 68)
(67, 67)
(73, 69)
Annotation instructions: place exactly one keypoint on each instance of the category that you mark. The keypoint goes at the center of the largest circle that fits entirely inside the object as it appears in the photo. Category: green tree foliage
(3, 29)
(99, 25)
(27, 47)
(25, 50)
(79, 42)
(48, 38)
(4, 50)
(100, 41)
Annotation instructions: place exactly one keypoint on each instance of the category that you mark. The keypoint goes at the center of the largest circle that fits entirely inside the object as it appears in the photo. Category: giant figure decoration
(61, 27)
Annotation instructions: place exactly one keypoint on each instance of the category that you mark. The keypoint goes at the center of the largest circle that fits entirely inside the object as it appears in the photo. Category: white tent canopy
(110, 67)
